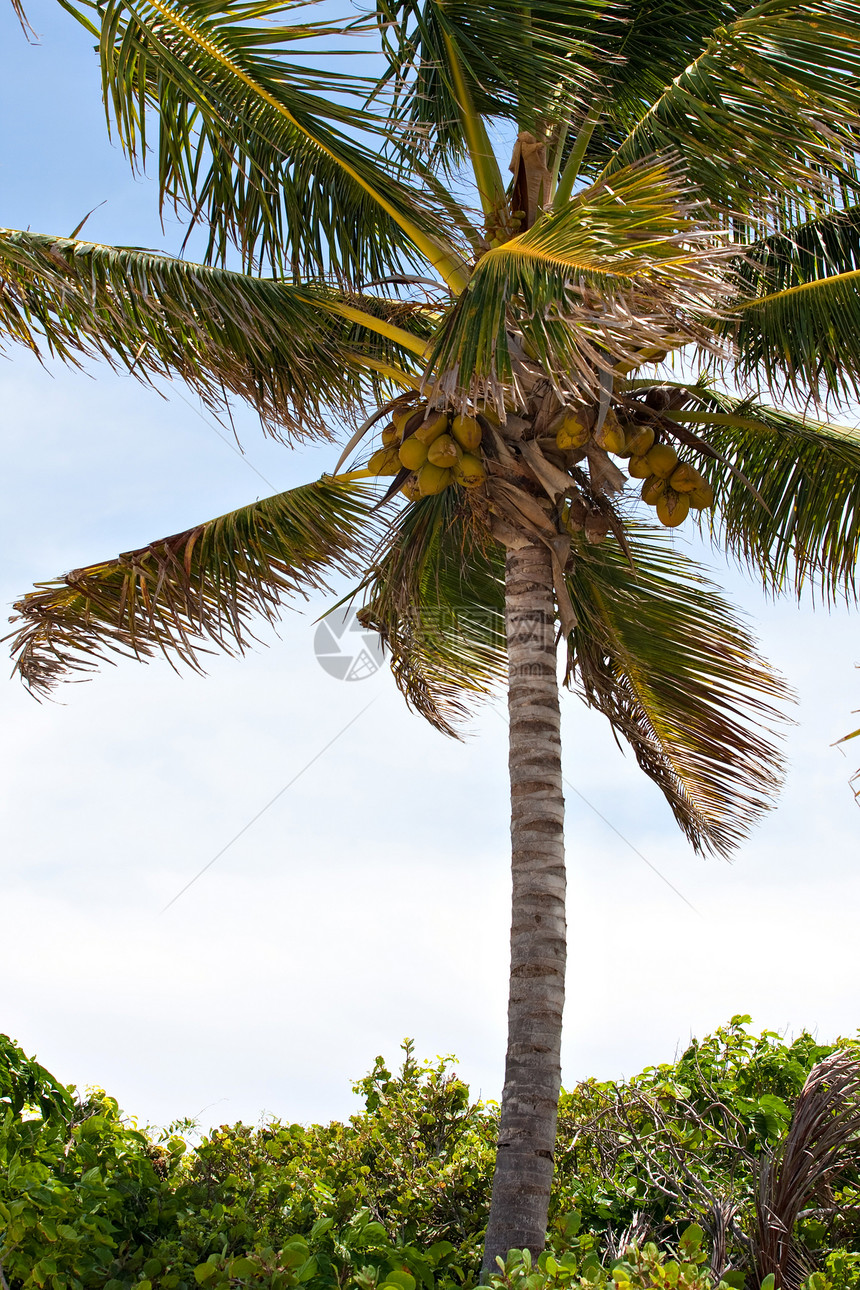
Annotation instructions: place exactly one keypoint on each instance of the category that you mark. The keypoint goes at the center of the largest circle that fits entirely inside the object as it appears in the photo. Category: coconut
(638, 468)
(701, 496)
(571, 431)
(610, 436)
(412, 453)
(433, 479)
(640, 439)
(400, 418)
(684, 477)
(469, 471)
(384, 461)
(672, 508)
(410, 488)
(434, 424)
(443, 451)
(653, 489)
(391, 436)
(662, 459)
(467, 432)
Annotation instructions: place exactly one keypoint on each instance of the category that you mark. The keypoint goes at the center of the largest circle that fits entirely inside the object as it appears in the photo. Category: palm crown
(680, 177)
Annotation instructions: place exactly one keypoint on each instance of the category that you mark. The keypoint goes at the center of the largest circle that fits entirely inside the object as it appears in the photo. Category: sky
(369, 900)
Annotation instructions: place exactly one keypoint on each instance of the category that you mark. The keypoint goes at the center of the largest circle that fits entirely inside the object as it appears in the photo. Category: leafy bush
(398, 1196)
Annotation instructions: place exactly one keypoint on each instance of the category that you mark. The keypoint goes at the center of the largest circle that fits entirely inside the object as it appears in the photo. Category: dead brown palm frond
(196, 589)
(821, 1142)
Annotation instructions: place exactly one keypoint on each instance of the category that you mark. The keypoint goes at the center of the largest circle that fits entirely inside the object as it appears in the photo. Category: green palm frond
(766, 118)
(289, 351)
(626, 264)
(265, 153)
(189, 592)
(804, 525)
(436, 596)
(796, 322)
(659, 652)
(521, 63)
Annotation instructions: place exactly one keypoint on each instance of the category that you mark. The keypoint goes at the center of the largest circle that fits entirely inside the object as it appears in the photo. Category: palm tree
(684, 180)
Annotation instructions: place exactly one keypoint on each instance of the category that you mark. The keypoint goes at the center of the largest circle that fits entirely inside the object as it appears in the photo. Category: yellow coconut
(432, 427)
(412, 453)
(400, 418)
(384, 461)
(653, 489)
(684, 477)
(469, 471)
(391, 436)
(467, 432)
(662, 459)
(672, 508)
(443, 451)
(701, 496)
(638, 468)
(610, 436)
(410, 488)
(571, 432)
(433, 479)
(640, 439)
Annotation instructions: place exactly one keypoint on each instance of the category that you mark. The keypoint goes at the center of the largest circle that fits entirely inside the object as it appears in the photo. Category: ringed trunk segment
(526, 1143)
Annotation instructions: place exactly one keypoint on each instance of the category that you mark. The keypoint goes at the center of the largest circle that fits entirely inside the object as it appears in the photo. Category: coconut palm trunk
(524, 1163)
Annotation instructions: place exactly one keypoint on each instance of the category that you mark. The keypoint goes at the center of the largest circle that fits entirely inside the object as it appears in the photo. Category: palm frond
(626, 264)
(804, 525)
(521, 63)
(796, 322)
(435, 593)
(194, 590)
(289, 351)
(660, 653)
(766, 117)
(266, 153)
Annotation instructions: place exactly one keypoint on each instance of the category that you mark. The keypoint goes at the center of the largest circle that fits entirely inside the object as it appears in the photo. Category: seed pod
(702, 496)
(391, 436)
(662, 459)
(410, 488)
(653, 489)
(400, 418)
(684, 477)
(443, 451)
(610, 436)
(469, 471)
(571, 431)
(432, 427)
(467, 432)
(433, 479)
(672, 508)
(596, 528)
(412, 453)
(640, 439)
(384, 461)
(637, 468)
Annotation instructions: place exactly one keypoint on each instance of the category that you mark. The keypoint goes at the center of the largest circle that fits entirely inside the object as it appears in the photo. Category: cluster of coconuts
(673, 486)
(436, 446)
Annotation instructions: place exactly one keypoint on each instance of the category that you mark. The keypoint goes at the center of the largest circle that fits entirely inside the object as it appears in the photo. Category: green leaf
(623, 266)
(264, 152)
(204, 1272)
(297, 354)
(660, 653)
(196, 588)
(804, 524)
(739, 115)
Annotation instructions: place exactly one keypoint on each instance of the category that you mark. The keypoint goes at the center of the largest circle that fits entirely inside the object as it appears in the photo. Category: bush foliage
(656, 1184)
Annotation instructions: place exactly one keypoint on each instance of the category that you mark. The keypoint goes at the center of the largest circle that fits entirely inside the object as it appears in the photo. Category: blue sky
(370, 901)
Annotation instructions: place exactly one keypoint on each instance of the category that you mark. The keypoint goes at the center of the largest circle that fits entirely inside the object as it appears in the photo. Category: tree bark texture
(526, 1144)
